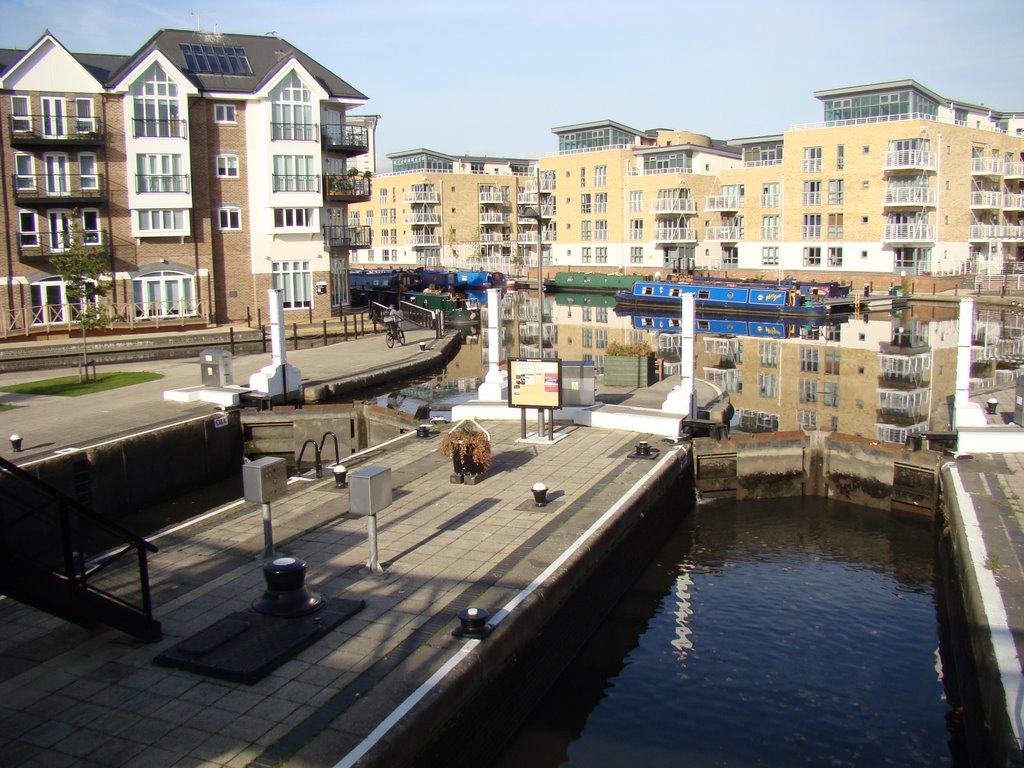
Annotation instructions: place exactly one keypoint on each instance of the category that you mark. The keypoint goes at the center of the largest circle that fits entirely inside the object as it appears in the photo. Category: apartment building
(894, 179)
(206, 167)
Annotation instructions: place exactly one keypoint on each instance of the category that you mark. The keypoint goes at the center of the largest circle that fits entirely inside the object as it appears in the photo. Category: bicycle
(394, 333)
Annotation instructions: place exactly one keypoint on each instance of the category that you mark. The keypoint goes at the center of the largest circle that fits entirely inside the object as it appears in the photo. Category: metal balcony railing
(145, 183)
(159, 128)
(36, 129)
(294, 132)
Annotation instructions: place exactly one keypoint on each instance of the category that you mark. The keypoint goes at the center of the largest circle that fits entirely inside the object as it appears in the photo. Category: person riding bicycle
(392, 318)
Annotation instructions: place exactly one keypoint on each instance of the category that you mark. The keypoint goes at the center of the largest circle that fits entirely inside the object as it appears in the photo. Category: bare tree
(84, 271)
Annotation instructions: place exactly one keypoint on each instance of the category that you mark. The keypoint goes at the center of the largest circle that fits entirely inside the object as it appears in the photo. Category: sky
(491, 78)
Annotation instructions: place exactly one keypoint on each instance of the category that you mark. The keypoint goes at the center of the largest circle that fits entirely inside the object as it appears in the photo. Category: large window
(156, 105)
(293, 218)
(24, 172)
(164, 294)
(295, 281)
(601, 230)
(601, 176)
(158, 221)
(601, 202)
(636, 201)
(21, 115)
(295, 173)
(229, 217)
(292, 111)
(227, 166)
(88, 175)
(160, 173)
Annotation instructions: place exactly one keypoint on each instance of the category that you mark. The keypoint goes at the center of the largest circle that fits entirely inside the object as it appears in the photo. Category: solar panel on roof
(218, 59)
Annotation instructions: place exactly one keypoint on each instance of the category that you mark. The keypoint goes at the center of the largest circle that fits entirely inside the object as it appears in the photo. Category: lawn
(70, 386)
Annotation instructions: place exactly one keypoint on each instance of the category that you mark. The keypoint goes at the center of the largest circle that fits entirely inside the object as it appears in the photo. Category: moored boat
(591, 281)
(773, 327)
(784, 298)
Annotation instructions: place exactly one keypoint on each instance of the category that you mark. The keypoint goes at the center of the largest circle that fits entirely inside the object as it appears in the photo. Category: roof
(601, 124)
(265, 54)
(890, 85)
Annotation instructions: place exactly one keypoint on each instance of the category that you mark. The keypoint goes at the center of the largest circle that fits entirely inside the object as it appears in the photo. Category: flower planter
(629, 370)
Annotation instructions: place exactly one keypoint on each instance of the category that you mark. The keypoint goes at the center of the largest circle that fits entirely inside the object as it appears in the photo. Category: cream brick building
(206, 167)
(895, 179)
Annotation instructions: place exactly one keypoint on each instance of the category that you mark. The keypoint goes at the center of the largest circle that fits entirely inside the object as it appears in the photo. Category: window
(601, 335)
(156, 106)
(808, 390)
(585, 203)
(227, 166)
(812, 193)
(768, 351)
(583, 177)
(292, 218)
(585, 230)
(164, 294)
(807, 420)
(91, 234)
(768, 384)
(770, 195)
(835, 226)
(601, 230)
(769, 256)
(295, 173)
(85, 122)
(224, 113)
(831, 362)
(88, 177)
(636, 255)
(230, 217)
(835, 257)
(21, 115)
(636, 229)
(218, 59)
(24, 172)
(809, 359)
(586, 255)
(812, 226)
(812, 257)
(601, 255)
(165, 220)
(28, 229)
(601, 202)
(160, 173)
(840, 157)
(291, 111)
(636, 201)
(295, 281)
(830, 394)
(812, 160)
(770, 227)
(835, 191)
(600, 175)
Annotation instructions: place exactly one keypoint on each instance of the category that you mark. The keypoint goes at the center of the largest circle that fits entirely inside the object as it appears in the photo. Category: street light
(535, 213)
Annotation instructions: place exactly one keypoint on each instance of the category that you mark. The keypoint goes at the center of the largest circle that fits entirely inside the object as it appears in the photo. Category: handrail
(337, 453)
(316, 450)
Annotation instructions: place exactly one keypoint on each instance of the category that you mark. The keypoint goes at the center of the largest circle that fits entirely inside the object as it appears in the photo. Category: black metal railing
(159, 128)
(294, 132)
(341, 236)
(37, 129)
(287, 182)
(48, 188)
(174, 182)
(345, 188)
(61, 556)
(350, 139)
(44, 243)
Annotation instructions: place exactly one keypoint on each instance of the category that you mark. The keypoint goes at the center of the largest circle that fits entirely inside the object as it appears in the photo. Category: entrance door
(54, 120)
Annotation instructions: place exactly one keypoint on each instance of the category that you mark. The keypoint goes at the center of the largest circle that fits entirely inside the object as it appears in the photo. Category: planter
(629, 370)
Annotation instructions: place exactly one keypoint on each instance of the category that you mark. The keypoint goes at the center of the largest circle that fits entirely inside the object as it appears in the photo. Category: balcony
(680, 205)
(1012, 232)
(546, 212)
(146, 183)
(346, 189)
(530, 238)
(422, 218)
(38, 246)
(986, 166)
(1013, 201)
(909, 160)
(908, 196)
(725, 234)
(1013, 169)
(347, 140)
(294, 132)
(986, 199)
(490, 195)
(423, 241)
(495, 238)
(908, 233)
(159, 128)
(289, 182)
(341, 236)
(28, 131)
(421, 196)
(65, 189)
(724, 203)
(983, 232)
(494, 217)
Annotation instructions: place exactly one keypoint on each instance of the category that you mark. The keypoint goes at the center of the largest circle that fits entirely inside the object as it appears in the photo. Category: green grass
(70, 386)
(5, 407)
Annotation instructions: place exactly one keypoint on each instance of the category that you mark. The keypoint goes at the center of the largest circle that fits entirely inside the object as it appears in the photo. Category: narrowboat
(459, 309)
(597, 282)
(442, 279)
(770, 327)
(783, 299)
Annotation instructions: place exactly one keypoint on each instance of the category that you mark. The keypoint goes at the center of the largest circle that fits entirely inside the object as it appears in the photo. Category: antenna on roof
(198, 17)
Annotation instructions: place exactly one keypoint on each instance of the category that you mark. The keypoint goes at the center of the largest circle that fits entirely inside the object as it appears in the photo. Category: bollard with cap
(16, 443)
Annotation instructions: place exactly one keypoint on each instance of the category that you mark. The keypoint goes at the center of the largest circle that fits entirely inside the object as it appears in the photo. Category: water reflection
(884, 375)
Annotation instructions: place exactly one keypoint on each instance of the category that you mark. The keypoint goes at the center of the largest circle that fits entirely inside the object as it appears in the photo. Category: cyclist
(392, 319)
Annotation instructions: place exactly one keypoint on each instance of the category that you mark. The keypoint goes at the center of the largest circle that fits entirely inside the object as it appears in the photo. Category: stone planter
(629, 370)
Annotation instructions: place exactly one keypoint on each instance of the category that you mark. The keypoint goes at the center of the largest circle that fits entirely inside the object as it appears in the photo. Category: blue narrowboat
(790, 299)
(760, 327)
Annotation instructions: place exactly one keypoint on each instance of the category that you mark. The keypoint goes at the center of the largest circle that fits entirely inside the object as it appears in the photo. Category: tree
(83, 270)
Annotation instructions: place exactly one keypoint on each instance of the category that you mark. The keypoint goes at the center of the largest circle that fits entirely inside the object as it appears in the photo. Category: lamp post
(535, 213)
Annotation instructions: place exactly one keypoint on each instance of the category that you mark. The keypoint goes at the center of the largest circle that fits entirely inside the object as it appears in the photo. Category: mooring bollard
(340, 475)
(540, 494)
(16, 443)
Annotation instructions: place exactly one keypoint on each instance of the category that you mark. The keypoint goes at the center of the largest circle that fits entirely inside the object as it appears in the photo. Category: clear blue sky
(490, 78)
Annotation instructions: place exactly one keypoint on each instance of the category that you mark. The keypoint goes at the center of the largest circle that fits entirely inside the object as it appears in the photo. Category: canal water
(775, 633)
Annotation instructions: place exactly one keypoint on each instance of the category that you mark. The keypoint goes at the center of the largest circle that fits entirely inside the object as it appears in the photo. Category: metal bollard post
(373, 564)
(268, 533)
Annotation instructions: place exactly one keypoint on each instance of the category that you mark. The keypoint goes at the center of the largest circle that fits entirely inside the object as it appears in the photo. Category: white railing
(1011, 232)
(1013, 168)
(761, 163)
(723, 234)
(770, 233)
(811, 165)
(810, 232)
(493, 196)
(587, 150)
(983, 232)
(770, 201)
(999, 282)
(909, 158)
(986, 199)
(54, 317)
(908, 232)
(423, 240)
(724, 203)
(491, 217)
(422, 218)
(810, 198)
(1013, 201)
(421, 196)
(987, 166)
(674, 205)
(675, 235)
(909, 196)
(657, 171)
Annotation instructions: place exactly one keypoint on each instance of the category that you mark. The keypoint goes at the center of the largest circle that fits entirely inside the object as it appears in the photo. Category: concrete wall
(120, 477)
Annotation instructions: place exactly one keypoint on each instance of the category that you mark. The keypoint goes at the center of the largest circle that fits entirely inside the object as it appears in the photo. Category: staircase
(58, 555)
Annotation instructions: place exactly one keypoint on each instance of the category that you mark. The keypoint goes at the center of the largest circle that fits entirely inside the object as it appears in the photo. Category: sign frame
(534, 382)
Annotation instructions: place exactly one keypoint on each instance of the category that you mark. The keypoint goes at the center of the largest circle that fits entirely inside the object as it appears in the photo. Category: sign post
(535, 383)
